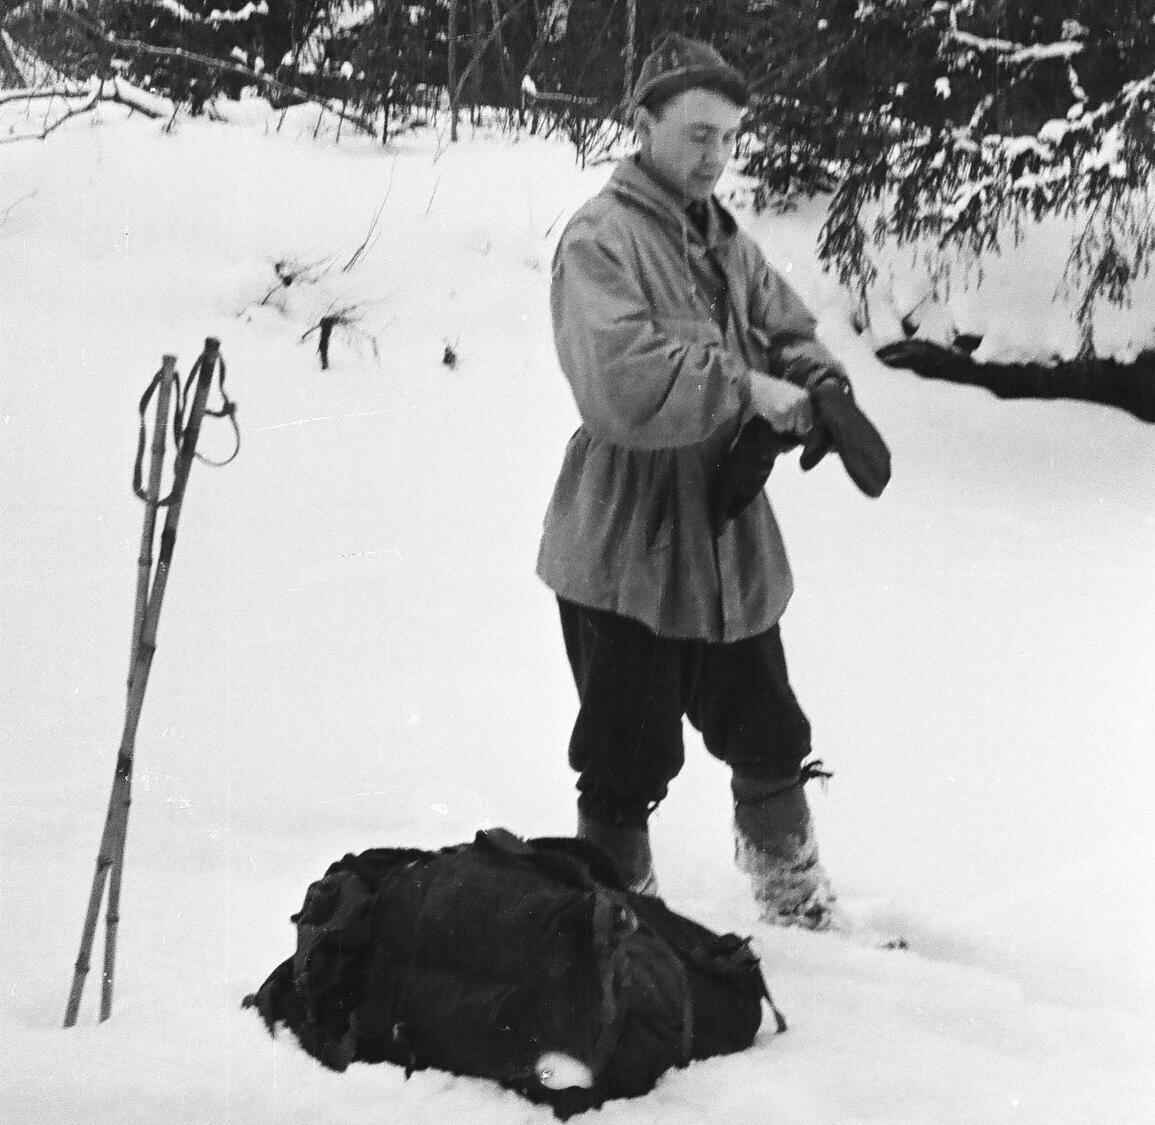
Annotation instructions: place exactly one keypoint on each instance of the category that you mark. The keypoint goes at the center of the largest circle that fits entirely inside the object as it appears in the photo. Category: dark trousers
(634, 687)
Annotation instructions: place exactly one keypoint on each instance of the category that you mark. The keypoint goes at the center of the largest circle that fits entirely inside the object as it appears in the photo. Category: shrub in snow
(318, 297)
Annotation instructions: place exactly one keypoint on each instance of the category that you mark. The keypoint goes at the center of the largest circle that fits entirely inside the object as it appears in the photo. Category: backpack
(521, 961)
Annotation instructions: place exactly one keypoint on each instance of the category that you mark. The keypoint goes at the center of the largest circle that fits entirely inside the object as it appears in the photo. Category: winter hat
(677, 64)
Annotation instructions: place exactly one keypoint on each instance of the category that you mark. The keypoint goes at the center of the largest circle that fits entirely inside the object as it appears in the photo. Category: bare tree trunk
(391, 11)
(452, 70)
(455, 92)
(545, 25)
(508, 71)
(475, 18)
(631, 36)
(10, 76)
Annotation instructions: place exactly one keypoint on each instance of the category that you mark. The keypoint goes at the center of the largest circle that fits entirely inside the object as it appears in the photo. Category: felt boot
(775, 845)
(627, 846)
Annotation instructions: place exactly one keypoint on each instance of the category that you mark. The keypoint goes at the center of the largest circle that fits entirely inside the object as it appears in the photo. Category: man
(693, 364)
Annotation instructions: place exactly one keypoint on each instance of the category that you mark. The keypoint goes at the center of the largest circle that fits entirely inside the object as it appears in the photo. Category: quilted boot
(627, 846)
(775, 845)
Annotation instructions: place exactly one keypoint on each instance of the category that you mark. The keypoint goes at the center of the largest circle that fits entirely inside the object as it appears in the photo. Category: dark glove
(841, 426)
(744, 472)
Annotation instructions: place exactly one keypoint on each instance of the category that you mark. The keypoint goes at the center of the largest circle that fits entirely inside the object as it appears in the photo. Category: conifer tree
(956, 122)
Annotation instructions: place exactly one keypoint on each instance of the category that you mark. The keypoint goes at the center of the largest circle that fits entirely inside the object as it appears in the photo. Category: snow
(175, 8)
(217, 15)
(350, 16)
(154, 104)
(1017, 53)
(354, 650)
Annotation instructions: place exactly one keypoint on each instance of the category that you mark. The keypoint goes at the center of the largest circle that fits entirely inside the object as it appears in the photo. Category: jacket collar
(632, 183)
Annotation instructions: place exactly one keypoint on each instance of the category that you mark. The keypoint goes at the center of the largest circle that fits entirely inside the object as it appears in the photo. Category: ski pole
(110, 857)
(152, 498)
(108, 848)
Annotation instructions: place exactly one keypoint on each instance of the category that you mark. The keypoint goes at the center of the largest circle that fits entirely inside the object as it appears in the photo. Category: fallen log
(1129, 387)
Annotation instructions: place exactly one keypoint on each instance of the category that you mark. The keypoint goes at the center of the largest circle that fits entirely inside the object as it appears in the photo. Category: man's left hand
(840, 425)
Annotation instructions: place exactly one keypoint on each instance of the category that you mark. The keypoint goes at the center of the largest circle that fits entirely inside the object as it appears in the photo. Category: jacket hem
(611, 603)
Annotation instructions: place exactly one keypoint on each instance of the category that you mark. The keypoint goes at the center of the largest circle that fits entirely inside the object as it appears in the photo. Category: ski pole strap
(228, 409)
(138, 467)
(182, 397)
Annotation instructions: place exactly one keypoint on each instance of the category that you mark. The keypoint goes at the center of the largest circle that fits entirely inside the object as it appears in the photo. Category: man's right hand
(784, 405)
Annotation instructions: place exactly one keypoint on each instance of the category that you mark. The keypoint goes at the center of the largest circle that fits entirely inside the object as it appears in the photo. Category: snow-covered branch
(956, 192)
(241, 15)
(1013, 53)
(174, 8)
(221, 66)
(114, 90)
(33, 93)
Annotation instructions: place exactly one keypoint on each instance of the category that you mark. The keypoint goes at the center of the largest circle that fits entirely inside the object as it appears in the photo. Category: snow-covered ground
(354, 651)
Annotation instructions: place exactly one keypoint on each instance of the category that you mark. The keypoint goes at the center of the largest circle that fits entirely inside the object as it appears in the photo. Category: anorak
(657, 328)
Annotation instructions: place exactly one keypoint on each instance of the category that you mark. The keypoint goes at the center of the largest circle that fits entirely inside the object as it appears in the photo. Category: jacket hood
(634, 185)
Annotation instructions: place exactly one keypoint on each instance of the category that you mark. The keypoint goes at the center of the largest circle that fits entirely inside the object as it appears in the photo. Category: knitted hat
(677, 64)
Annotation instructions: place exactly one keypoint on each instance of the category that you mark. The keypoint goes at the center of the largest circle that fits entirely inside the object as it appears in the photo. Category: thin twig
(31, 92)
(553, 224)
(15, 203)
(47, 129)
(365, 245)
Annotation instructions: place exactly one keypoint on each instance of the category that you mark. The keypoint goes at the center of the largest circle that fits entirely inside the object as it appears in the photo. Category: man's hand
(841, 426)
(784, 416)
(745, 469)
(784, 405)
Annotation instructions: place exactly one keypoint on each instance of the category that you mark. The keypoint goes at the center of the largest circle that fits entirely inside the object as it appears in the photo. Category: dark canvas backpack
(521, 961)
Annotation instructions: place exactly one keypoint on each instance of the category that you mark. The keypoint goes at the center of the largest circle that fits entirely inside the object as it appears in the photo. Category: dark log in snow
(1129, 387)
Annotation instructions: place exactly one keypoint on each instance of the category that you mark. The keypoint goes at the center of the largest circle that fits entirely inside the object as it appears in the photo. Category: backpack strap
(588, 854)
(607, 918)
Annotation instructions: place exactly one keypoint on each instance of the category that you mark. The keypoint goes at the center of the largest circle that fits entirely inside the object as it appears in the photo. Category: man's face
(690, 141)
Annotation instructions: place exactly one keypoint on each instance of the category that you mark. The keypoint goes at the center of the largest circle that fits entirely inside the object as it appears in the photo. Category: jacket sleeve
(640, 380)
(794, 352)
